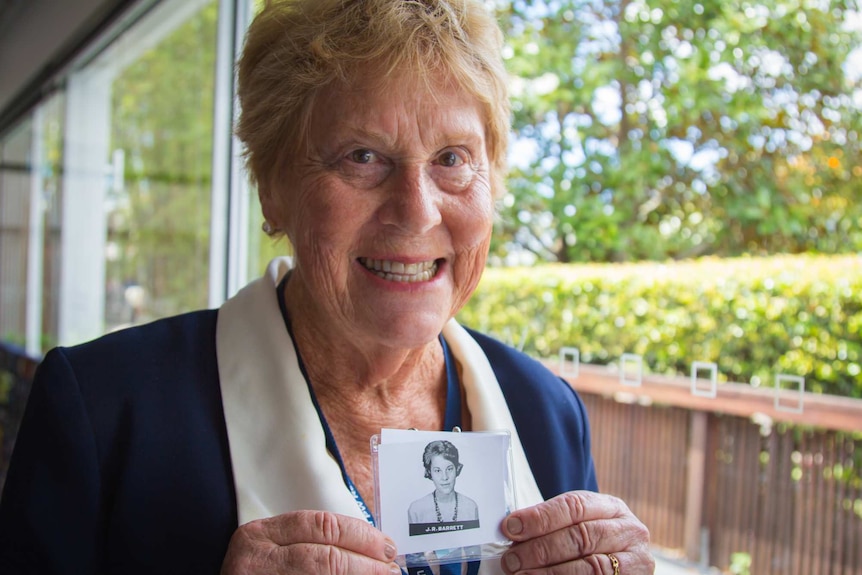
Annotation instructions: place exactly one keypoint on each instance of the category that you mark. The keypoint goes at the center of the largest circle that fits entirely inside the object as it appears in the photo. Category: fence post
(695, 475)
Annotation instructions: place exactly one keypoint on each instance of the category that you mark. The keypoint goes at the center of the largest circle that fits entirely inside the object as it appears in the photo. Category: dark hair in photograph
(444, 448)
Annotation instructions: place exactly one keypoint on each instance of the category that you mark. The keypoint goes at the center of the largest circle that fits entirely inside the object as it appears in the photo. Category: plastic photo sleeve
(441, 496)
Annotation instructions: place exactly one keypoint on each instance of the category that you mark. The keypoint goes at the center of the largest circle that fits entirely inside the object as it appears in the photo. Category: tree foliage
(162, 121)
(754, 318)
(678, 128)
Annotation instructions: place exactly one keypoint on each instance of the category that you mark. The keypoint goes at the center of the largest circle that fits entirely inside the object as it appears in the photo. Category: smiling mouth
(400, 272)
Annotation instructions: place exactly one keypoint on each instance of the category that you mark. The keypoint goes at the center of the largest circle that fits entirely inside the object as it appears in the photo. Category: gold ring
(615, 563)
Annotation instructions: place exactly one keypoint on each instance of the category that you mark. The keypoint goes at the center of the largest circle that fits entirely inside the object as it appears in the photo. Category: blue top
(122, 462)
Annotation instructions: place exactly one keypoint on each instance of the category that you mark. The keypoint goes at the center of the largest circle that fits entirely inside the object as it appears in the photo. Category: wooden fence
(640, 455)
(733, 474)
(787, 498)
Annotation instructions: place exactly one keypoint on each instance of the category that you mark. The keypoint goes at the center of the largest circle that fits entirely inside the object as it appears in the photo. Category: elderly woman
(237, 440)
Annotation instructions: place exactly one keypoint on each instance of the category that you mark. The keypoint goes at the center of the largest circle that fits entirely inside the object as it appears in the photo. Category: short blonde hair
(294, 48)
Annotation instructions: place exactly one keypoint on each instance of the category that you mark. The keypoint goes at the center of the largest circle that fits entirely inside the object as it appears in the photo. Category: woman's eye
(449, 159)
(362, 156)
(363, 166)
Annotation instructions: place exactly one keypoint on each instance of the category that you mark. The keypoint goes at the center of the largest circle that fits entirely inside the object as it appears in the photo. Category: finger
(633, 563)
(304, 558)
(562, 511)
(576, 542)
(325, 528)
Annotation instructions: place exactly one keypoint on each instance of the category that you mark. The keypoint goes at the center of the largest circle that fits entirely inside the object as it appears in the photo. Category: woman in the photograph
(444, 504)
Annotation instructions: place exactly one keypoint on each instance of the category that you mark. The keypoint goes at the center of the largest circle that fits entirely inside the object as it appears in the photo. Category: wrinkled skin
(572, 534)
(303, 542)
(399, 175)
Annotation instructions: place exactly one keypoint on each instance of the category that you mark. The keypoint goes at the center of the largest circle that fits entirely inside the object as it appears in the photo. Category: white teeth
(398, 272)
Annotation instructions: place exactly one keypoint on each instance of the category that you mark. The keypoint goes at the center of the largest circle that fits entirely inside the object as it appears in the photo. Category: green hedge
(753, 317)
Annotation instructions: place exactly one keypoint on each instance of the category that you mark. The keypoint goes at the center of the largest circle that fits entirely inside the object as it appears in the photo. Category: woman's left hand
(577, 533)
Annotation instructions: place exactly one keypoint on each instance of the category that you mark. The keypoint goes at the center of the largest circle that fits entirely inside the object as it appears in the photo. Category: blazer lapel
(278, 449)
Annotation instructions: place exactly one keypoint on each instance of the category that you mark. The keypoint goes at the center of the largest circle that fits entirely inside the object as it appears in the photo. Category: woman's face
(389, 210)
(443, 474)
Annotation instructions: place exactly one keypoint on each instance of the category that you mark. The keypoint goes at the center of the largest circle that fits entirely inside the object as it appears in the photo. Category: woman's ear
(271, 207)
(460, 467)
(265, 196)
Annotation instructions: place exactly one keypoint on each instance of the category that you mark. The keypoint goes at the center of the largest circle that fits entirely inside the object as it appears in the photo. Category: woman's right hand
(302, 542)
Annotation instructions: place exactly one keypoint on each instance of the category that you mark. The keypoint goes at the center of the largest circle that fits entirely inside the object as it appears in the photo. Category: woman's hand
(577, 533)
(303, 542)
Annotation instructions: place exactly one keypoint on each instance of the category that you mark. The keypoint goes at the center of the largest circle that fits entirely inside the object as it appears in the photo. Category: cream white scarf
(277, 444)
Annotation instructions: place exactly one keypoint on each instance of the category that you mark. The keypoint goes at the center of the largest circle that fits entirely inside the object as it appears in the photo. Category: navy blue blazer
(122, 462)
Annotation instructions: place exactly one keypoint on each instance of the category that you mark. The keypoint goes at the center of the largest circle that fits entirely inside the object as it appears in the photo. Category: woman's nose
(411, 203)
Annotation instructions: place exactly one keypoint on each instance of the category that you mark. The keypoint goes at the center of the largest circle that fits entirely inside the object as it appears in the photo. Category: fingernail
(514, 525)
(395, 570)
(512, 562)
(389, 552)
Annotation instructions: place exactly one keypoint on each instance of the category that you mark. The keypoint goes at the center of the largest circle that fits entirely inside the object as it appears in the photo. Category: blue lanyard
(451, 419)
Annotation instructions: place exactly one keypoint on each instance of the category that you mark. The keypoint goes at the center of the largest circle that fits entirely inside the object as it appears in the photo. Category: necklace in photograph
(437, 508)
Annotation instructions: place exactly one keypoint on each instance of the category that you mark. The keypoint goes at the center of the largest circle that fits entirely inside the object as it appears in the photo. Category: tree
(682, 128)
(162, 120)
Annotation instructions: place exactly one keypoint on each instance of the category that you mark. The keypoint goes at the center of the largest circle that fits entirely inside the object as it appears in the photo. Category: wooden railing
(732, 474)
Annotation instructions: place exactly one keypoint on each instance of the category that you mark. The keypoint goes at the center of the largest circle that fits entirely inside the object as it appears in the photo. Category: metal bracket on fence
(699, 390)
(800, 381)
(636, 362)
(565, 364)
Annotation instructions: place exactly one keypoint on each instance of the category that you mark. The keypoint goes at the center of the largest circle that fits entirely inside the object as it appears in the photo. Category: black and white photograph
(443, 508)
(442, 489)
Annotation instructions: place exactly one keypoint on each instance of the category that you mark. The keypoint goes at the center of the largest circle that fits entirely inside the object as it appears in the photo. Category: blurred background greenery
(667, 131)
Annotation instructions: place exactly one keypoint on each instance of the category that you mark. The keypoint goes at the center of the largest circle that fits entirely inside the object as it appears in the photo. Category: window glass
(135, 211)
(51, 183)
(15, 171)
(157, 205)
(30, 176)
